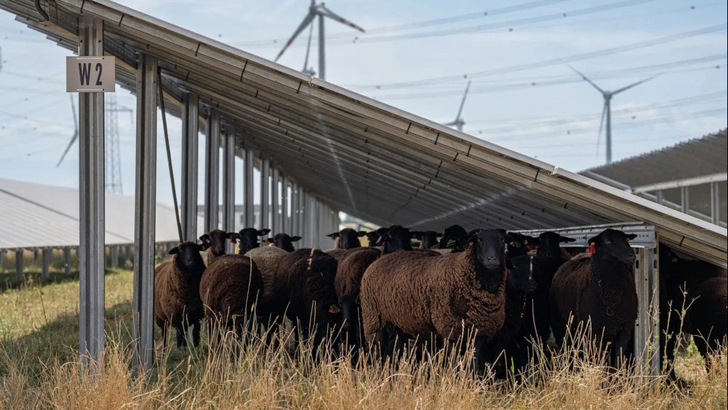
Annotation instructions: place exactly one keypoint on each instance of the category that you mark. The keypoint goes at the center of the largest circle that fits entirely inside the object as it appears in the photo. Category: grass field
(40, 369)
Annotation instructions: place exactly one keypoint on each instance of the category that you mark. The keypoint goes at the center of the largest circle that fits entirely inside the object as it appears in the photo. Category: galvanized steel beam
(144, 220)
(264, 192)
(715, 203)
(275, 222)
(190, 140)
(285, 220)
(67, 260)
(46, 259)
(212, 171)
(91, 252)
(228, 183)
(19, 266)
(248, 166)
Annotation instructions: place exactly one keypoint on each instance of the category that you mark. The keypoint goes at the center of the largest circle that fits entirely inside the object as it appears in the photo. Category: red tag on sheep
(592, 249)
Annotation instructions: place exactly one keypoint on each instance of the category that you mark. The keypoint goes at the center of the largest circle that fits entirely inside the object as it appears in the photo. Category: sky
(418, 56)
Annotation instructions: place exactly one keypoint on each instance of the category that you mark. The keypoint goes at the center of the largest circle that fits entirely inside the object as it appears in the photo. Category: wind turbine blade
(306, 21)
(75, 133)
(625, 88)
(601, 126)
(328, 13)
(462, 103)
(308, 48)
(450, 124)
(73, 139)
(587, 80)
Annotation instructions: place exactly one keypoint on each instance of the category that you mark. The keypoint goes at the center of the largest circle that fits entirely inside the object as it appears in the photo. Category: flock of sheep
(501, 289)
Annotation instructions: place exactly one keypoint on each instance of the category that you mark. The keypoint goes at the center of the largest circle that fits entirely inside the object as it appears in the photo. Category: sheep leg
(196, 333)
(164, 327)
(479, 356)
(702, 346)
(620, 349)
(181, 339)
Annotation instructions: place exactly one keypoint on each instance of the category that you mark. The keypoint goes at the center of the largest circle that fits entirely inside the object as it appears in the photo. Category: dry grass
(39, 369)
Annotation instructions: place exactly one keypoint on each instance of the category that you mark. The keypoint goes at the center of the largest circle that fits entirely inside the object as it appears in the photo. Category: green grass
(39, 368)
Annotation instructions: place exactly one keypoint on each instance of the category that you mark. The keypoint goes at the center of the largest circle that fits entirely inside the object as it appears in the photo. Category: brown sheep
(177, 292)
(229, 289)
(347, 238)
(600, 288)
(215, 240)
(283, 241)
(700, 288)
(266, 258)
(420, 292)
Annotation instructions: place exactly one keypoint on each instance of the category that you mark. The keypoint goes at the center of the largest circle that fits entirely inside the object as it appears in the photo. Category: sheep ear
(565, 239)
(295, 238)
(203, 246)
(263, 232)
(631, 236)
(361, 233)
(333, 235)
(233, 236)
(205, 237)
(268, 240)
(596, 239)
(174, 250)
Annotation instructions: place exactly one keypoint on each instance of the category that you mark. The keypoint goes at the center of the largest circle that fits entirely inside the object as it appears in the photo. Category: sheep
(428, 239)
(700, 288)
(229, 289)
(419, 292)
(347, 238)
(600, 288)
(266, 258)
(283, 241)
(546, 263)
(248, 239)
(304, 291)
(177, 292)
(215, 240)
(509, 346)
(455, 237)
(374, 236)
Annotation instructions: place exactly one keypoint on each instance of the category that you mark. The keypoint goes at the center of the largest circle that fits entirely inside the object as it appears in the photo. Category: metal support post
(19, 266)
(212, 170)
(715, 203)
(647, 328)
(285, 221)
(295, 208)
(190, 140)
(228, 183)
(91, 252)
(275, 221)
(302, 220)
(248, 188)
(114, 256)
(47, 255)
(264, 193)
(67, 260)
(144, 219)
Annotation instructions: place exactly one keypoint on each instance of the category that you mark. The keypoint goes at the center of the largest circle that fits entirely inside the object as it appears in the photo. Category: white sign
(90, 74)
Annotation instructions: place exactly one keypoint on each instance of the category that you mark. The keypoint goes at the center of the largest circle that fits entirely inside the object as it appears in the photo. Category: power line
(553, 61)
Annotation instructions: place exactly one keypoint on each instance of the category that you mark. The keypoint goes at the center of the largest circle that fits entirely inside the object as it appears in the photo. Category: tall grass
(248, 374)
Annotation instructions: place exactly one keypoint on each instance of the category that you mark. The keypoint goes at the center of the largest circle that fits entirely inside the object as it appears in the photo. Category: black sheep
(547, 262)
(455, 237)
(283, 241)
(700, 288)
(248, 239)
(374, 236)
(229, 289)
(508, 347)
(304, 292)
(347, 238)
(177, 292)
(428, 239)
(600, 288)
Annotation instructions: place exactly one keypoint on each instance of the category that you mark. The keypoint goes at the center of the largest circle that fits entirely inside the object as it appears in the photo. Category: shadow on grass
(34, 278)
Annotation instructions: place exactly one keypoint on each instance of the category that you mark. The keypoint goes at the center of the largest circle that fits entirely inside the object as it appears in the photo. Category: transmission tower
(113, 155)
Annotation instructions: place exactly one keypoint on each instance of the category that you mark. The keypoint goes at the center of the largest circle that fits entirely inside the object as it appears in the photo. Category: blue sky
(511, 54)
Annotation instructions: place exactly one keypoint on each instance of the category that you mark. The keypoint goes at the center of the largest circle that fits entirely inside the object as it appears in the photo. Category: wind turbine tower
(607, 110)
(320, 11)
(459, 122)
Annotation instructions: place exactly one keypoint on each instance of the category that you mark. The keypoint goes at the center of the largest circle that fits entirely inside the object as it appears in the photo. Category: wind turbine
(607, 110)
(458, 123)
(320, 11)
(75, 133)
